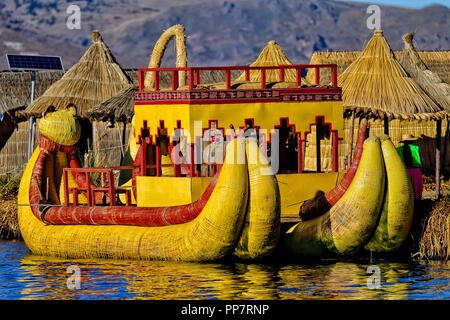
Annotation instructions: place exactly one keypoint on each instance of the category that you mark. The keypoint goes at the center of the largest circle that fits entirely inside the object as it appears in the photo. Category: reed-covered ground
(9, 226)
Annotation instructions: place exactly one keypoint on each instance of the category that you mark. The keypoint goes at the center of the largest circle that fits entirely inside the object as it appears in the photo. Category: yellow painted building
(290, 111)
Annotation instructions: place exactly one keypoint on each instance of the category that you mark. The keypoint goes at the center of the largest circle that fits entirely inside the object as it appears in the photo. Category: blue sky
(406, 3)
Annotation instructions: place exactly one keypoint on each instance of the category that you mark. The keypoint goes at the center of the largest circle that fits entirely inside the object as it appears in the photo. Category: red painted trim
(335, 151)
(299, 154)
(336, 193)
(110, 215)
(238, 96)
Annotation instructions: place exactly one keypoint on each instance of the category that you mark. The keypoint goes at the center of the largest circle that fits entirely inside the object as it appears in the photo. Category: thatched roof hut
(436, 61)
(271, 55)
(427, 79)
(119, 108)
(376, 84)
(95, 78)
(15, 87)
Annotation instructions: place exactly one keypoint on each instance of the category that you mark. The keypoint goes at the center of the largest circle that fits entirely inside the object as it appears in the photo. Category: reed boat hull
(210, 236)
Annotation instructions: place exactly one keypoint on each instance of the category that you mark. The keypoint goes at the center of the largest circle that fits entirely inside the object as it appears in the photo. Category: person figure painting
(413, 160)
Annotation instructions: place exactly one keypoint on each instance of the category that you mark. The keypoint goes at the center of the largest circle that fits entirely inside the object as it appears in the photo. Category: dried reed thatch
(14, 154)
(428, 80)
(119, 107)
(15, 87)
(9, 225)
(109, 143)
(435, 241)
(376, 83)
(95, 78)
(178, 32)
(425, 130)
(272, 55)
(436, 60)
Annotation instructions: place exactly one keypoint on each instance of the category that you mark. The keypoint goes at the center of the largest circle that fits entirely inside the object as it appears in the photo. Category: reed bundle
(178, 32)
(438, 62)
(376, 82)
(9, 225)
(95, 78)
(435, 241)
(427, 79)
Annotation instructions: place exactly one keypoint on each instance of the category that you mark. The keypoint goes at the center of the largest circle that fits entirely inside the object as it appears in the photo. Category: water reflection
(46, 278)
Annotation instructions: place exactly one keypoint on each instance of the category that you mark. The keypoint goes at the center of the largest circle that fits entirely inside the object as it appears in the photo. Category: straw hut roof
(377, 84)
(272, 55)
(428, 80)
(15, 87)
(95, 78)
(119, 107)
(436, 61)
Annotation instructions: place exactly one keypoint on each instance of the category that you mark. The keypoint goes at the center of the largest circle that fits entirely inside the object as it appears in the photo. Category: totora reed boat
(213, 168)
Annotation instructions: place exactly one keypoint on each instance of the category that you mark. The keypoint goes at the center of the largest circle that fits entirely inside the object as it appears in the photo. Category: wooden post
(88, 190)
(281, 75)
(438, 158)
(66, 187)
(141, 80)
(263, 78)
(317, 75)
(228, 79)
(32, 121)
(299, 77)
(334, 76)
(156, 80)
(444, 153)
(174, 80)
(191, 79)
(112, 190)
(197, 77)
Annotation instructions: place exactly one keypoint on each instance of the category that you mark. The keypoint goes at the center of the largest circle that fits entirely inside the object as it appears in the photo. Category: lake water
(24, 276)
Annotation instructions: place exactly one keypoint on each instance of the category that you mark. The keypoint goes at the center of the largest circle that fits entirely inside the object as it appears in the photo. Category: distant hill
(220, 32)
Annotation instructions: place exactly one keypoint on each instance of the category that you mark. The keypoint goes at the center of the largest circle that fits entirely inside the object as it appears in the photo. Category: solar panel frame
(34, 62)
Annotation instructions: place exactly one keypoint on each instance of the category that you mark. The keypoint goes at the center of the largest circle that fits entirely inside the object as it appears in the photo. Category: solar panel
(32, 62)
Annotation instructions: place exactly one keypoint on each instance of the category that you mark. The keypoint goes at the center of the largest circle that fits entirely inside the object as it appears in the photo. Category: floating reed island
(395, 92)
